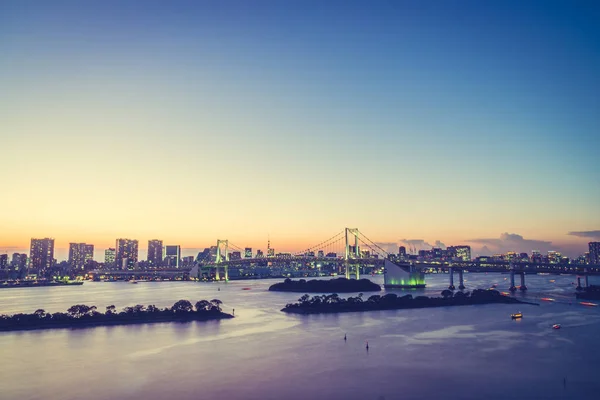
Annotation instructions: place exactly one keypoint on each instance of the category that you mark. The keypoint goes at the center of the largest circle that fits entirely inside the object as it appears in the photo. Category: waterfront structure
(126, 253)
(400, 276)
(155, 253)
(109, 257)
(172, 256)
(594, 253)
(248, 252)
(41, 255)
(80, 254)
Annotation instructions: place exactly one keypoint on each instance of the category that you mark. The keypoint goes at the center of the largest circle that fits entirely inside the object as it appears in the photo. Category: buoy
(344, 336)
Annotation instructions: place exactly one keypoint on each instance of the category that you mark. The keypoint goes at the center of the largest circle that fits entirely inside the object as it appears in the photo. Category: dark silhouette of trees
(338, 285)
(81, 315)
(182, 306)
(333, 304)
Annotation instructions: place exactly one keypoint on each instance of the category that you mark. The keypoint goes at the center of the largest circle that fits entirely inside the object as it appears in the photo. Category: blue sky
(433, 120)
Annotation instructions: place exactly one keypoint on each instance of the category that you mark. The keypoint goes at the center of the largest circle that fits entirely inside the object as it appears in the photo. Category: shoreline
(334, 304)
(95, 324)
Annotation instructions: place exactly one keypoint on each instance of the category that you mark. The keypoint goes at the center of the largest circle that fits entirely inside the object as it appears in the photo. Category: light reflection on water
(459, 352)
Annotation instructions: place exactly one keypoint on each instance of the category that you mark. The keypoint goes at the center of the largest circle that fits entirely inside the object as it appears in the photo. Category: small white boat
(556, 326)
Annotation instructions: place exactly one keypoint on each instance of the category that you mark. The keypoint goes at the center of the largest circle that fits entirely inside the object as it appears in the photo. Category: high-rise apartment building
(126, 254)
(248, 252)
(41, 254)
(463, 253)
(155, 252)
(19, 261)
(80, 254)
(172, 256)
(109, 257)
(594, 253)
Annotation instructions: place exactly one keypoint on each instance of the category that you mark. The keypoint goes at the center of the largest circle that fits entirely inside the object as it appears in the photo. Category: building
(463, 253)
(248, 252)
(41, 255)
(402, 252)
(19, 261)
(109, 257)
(80, 254)
(320, 254)
(235, 255)
(3, 261)
(155, 253)
(126, 253)
(271, 252)
(554, 257)
(259, 254)
(594, 253)
(172, 256)
(187, 261)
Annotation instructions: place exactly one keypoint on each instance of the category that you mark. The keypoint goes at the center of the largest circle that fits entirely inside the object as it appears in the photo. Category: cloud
(586, 234)
(512, 242)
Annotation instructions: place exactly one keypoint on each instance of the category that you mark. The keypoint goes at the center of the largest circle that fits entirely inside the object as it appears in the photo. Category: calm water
(453, 353)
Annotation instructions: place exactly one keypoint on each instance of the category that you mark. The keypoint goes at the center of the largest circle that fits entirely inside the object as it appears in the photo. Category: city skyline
(197, 121)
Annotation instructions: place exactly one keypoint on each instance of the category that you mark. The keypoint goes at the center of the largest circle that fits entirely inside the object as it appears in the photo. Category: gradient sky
(457, 121)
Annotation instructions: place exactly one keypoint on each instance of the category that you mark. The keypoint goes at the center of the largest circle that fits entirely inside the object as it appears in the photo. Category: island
(338, 285)
(334, 304)
(80, 315)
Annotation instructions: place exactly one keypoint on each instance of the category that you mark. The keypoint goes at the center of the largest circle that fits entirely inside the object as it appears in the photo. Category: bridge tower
(351, 231)
(222, 256)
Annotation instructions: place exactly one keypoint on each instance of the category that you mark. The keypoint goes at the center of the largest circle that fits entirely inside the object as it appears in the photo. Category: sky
(458, 122)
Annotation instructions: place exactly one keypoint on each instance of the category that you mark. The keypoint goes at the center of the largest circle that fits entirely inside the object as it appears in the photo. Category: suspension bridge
(349, 248)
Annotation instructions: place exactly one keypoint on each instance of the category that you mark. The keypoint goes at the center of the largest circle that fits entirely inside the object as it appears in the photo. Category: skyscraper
(3, 261)
(248, 252)
(172, 255)
(461, 252)
(126, 254)
(19, 261)
(80, 254)
(155, 252)
(594, 253)
(109, 257)
(41, 254)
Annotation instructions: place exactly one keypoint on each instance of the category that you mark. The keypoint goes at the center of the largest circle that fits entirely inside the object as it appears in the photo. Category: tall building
(594, 253)
(320, 254)
(235, 255)
(402, 251)
(19, 261)
(271, 253)
(3, 261)
(41, 254)
(248, 252)
(126, 255)
(259, 254)
(80, 254)
(109, 257)
(461, 252)
(155, 252)
(172, 256)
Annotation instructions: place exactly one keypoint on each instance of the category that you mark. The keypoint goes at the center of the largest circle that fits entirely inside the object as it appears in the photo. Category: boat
(547, 299)
(556, 326)
(132, 281)
(246, 288)
(518, 315)
(587, 303)
(552, 280)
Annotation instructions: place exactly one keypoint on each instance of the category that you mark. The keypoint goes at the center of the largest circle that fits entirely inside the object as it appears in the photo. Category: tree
(182, 306)
(216, 304)
(78, 310)
(202, 305)
(152, 309)
(110, 310)
(447, 294)
(138, 309)
(304, 299)
(40, 313)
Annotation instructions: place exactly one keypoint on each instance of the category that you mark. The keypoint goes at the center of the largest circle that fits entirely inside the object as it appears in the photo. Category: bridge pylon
(222, 256)
(354, 232)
